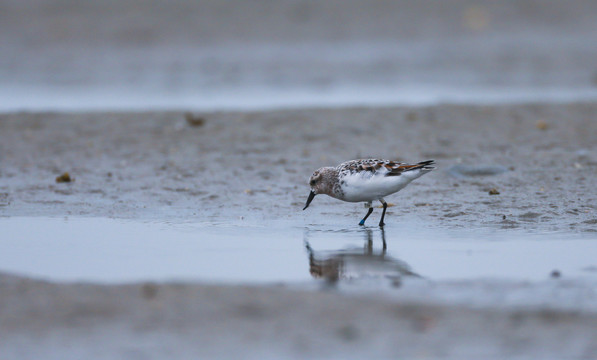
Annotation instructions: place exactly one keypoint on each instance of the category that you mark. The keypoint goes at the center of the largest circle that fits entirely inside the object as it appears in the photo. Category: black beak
(311, 196)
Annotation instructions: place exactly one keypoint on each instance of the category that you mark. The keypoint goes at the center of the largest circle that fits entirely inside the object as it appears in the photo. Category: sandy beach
(250, 168)
(154, 160)
(145, 55)
(153, 321)
(254, 165)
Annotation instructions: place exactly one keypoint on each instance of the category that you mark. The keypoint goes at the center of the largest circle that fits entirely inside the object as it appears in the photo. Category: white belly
(362, 188)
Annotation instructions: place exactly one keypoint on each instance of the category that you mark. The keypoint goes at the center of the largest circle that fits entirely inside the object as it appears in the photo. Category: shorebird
(365, 180)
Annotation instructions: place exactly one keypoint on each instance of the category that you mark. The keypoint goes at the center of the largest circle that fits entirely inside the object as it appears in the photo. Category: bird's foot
(381, 224)
(362, 222)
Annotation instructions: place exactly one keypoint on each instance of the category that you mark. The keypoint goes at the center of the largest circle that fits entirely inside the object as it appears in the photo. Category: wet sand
(253, 166)
(147, 55)
(153, 321)
(250, 168)
(511, 170)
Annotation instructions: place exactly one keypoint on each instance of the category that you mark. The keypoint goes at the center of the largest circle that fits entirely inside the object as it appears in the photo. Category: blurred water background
(209, 54)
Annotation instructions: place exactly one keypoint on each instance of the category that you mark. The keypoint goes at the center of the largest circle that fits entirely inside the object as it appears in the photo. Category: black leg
(383, 214)
(366, 216)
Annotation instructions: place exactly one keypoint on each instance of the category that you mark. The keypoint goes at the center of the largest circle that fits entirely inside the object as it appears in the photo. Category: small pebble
(494, 191)
(555, 274)
(149, 290)
(65, 177)
(194, 120)
(541, 125)
(411, 116)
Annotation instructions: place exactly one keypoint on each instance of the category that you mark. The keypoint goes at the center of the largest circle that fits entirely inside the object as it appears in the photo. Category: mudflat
(117, 227)
(507, 166)
(152, 321)
(526, 167)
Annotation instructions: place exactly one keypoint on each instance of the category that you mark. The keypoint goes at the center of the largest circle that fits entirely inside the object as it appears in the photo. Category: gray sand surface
(152, 321)
(252, 168)
(186, 54)
(511, 169)
(255, 165)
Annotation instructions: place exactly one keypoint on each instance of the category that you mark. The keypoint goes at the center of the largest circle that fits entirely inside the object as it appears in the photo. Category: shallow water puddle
(108, 250)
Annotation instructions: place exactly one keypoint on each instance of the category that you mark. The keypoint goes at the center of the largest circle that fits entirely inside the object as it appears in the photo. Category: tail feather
(423, 165)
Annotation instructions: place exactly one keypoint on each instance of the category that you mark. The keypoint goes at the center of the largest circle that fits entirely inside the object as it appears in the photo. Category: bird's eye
(312, 182)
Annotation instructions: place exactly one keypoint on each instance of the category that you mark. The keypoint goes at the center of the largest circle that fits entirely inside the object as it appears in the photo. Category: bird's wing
(382, 167)
(364, 166)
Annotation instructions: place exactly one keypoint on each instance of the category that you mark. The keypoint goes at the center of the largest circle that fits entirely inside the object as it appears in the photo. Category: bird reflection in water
(357, 263)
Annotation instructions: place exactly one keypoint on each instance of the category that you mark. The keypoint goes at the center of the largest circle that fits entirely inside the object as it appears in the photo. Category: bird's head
(319, 184)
